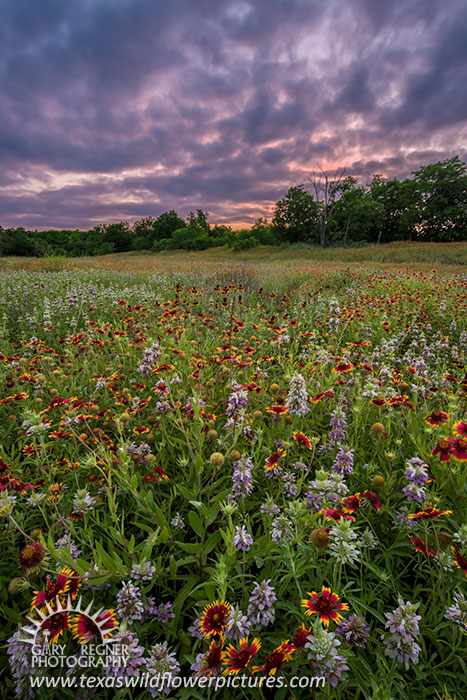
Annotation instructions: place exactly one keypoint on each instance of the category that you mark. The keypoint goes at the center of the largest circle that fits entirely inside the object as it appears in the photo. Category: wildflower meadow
(234, 473)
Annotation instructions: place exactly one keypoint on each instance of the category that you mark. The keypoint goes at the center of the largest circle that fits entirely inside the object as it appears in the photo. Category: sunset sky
(118, 109)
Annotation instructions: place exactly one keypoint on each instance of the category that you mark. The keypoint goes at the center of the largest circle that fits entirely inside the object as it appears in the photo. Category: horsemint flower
(326, 604)
(215, 618)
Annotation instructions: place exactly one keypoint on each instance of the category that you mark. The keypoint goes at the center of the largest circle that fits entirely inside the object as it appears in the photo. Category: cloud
(117, 109)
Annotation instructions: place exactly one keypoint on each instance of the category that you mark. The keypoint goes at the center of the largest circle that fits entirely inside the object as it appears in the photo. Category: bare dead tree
(326, 190)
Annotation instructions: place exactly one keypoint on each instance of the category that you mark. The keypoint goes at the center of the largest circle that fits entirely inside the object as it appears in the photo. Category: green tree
(199, 221)
(354, 214)
(116, 237)
(15, 241)
(441, 191)
(296, 216)
(165, 225)
(397, 213)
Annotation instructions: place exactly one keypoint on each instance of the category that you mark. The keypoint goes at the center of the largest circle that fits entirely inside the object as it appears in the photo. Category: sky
(115, 110)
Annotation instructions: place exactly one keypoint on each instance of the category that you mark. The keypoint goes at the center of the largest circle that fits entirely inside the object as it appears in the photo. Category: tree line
(429, 206)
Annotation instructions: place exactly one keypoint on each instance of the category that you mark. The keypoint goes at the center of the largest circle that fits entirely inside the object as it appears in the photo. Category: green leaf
(190, 547)
(149, 544)
(196, 523)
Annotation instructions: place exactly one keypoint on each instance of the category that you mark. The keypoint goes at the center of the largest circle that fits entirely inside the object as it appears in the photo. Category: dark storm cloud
(119, 109)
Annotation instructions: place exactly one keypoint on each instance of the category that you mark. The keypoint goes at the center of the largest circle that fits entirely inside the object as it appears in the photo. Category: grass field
(299, 259)
(250, 463)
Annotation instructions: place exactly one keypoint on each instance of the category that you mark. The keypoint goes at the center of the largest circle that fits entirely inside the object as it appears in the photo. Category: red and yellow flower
(276, 660)
(215, 618)
(343, 367)
(85, 628)
(277, 410)
(213, 659)
(421, 546)
(325, 604)
(459, 448)
(302, 440)
(236, 660)
(436, 418)
(429, 512)
(273, 459)
(53, 589)
(443, 448)
(461, 428)
(301, 636)
(54, 625)
(461, 560)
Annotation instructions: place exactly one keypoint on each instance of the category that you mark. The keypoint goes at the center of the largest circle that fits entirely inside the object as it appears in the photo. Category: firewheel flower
(276, 660)
(421, 546)
(459, 448)
(436, 418)
(63, 585)
(273, 459)
(461, 428)
(443, 448)
(215, 618)
(85, 628)
(325, 604)
(461, 560)
(31, 555)
(302, 440)
(236, 660)
(212, 661)
(429, 512)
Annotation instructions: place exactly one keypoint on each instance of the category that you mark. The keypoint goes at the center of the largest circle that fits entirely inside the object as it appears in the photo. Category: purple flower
(150, 356)
(163, 612)
(128, 666)
(144, 571)
(242, 540)
(20, 657)
(289, 485)
(177, 522)
(297, 399)
(354, 630)
(194, 630)
(269, 508)
(322, 653)
(260, 607)
(237, 400)
(238, 625)
(281, 530)
(402, 629)
(457, 612)
(417, 471)
(68, 544)
(414, 492)
(343, 464)
(338, 424)
(242, 477)
(130, 606)
(162, 664)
